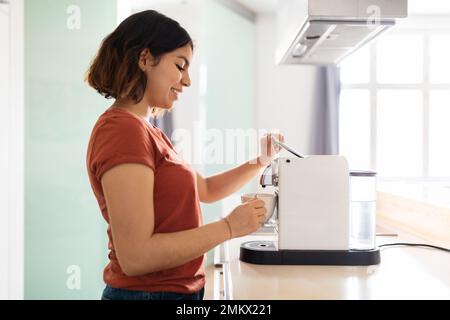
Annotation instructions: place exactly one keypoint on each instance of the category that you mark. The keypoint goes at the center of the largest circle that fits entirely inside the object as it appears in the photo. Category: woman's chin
(167, 107)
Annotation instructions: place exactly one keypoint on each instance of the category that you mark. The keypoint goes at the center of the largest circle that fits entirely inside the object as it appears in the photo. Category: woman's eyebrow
(185, 59)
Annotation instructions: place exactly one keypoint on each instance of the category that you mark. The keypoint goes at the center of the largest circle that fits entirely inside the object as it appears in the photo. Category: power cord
(414, 245)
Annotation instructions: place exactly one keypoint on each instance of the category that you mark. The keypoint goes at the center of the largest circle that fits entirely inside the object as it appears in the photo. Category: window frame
(426, 26)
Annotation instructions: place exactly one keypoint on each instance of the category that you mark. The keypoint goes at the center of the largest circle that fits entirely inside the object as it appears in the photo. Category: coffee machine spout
(268, 177)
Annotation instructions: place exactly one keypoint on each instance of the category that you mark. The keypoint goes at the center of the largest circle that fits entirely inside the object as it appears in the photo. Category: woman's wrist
(263, 161)
(230, 232)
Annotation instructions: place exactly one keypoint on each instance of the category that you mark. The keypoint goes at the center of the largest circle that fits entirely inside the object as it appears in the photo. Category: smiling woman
(148, 195)
(148, 52)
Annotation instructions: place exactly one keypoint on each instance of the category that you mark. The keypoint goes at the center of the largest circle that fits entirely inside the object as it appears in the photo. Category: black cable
(414, 245)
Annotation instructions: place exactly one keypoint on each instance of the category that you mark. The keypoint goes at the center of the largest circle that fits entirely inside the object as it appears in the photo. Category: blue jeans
(110, 293)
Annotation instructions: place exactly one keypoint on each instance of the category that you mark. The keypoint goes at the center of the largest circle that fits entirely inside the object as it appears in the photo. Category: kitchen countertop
(436, 193)
(404, 273)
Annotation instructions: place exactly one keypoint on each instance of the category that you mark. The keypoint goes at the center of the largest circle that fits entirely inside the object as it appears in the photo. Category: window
(395, 104)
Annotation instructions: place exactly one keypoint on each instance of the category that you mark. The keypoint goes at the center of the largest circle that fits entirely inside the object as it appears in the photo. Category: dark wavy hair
(115, 71)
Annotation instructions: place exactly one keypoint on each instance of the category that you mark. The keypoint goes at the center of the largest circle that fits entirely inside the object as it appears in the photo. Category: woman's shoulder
(114, 129)
(116, 125)
(121, 121)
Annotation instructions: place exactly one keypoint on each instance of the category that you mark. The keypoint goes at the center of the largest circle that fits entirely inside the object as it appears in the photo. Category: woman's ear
(145, 59)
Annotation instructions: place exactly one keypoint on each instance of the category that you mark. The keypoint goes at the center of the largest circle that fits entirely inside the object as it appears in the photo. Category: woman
(148, 195)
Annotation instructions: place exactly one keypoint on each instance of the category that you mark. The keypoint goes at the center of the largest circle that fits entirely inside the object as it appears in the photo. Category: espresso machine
(313, 220)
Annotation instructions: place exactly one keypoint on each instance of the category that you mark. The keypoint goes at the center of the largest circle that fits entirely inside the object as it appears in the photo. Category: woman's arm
(222, 185)
(128, 190)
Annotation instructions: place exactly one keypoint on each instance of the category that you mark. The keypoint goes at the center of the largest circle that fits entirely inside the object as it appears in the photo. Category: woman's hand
(268, 148)
(246, 218)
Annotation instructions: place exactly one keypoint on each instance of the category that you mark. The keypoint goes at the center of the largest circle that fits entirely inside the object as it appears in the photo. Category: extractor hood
(321, 32)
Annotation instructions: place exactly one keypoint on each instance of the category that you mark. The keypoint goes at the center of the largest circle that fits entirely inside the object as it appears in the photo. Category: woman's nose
(186, 80)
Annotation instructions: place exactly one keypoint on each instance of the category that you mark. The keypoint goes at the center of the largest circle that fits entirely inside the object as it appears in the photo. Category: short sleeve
(121, 140)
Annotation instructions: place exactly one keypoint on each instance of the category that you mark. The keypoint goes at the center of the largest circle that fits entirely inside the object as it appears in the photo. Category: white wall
(286, 95)
(11, 150)
(4, 105)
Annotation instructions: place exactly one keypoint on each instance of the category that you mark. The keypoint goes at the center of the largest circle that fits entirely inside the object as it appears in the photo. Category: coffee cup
(270, 201)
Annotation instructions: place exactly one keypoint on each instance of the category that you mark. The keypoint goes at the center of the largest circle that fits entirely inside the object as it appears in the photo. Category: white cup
(270, 201)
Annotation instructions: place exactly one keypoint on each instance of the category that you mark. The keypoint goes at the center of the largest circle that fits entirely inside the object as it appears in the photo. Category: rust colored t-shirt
(118, 137)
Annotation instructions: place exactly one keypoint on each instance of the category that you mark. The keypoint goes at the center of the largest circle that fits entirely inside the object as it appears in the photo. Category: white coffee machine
(313, 215)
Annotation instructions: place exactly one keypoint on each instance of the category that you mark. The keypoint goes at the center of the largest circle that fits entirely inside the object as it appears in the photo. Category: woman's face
(166, 80)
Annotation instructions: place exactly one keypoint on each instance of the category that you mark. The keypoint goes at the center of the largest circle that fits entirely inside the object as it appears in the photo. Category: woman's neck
(140, 109)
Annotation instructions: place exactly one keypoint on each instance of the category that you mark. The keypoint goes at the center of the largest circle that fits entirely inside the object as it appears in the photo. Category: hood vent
(322, 32)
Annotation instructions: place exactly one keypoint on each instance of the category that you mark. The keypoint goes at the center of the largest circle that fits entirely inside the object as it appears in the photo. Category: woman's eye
(180, 68)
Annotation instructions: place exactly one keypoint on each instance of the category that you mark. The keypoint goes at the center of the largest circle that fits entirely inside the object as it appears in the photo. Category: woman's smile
(175, 92)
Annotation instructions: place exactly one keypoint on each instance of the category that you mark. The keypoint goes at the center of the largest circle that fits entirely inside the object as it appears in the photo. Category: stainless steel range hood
(321, 32)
